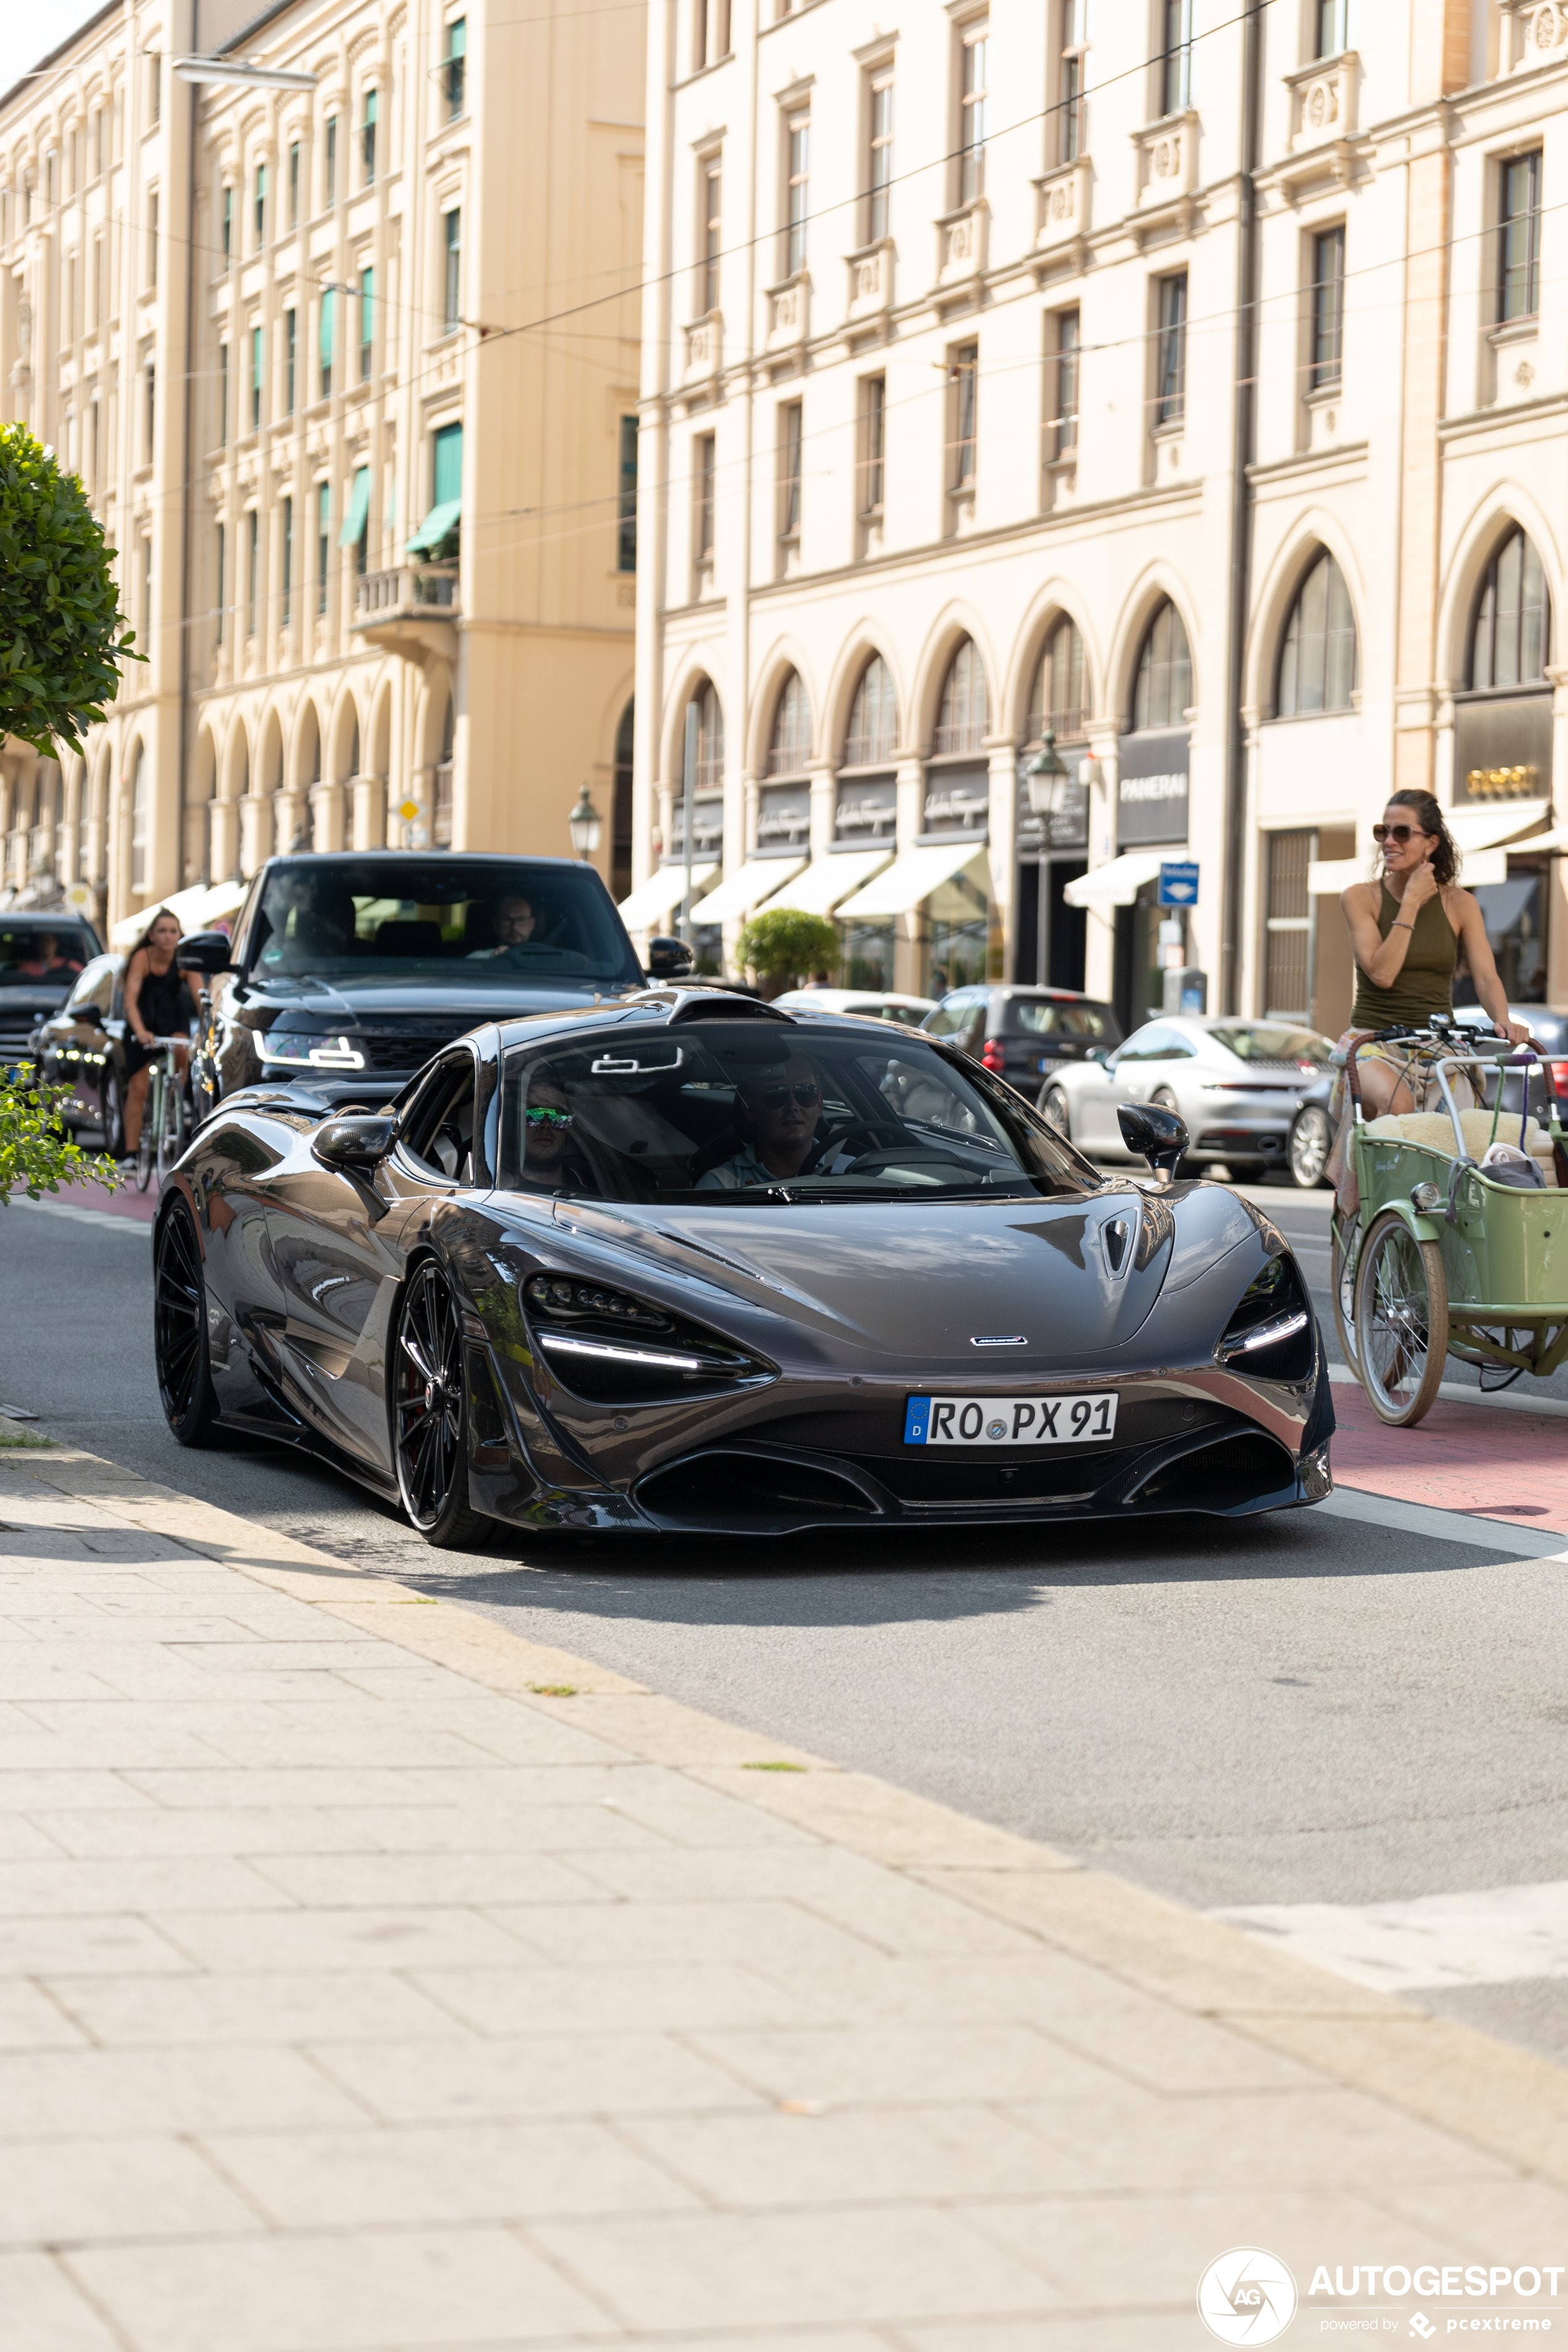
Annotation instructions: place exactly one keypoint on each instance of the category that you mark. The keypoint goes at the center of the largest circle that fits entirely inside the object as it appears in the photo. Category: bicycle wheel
(152, 1116)
(171, 1126)
(1401, 1313)
(1342, 1284)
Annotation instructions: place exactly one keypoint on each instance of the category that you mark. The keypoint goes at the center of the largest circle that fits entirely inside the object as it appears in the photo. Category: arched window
(963, 719)
(353, 768)
(1511, 637)
(709, 772)
(1317, 657)
(790, 745)
(311, 747)
(1164, 687)
(141, 815)
(873, 719)
(1058, 698)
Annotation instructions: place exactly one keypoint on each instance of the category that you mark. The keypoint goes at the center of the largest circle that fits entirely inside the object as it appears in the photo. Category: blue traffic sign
(1178, 885)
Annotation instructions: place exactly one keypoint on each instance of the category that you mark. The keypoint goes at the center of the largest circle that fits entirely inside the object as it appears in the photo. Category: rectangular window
(146, 586)
(331, 158)
(288, 351)
(790, 428)
(880, 152)
(627, 518)
(328, 317)
(222, 578)
(98, 288)
(873, 444)
(1175, 55)
(256, 359)
(710, 210)
(366, 322)
(149, 407)
(367, 137)
(798, 190)
(1329, 30)
(359, 511)
(286, 601)
(1061, 385)
(252, 568)
(153, 238)
(452, 286)
(1170, 352)
(294, 183)
(222, 395)
(226, 219)
(456, 67)
(259, 209)
(963, 370)
(710, 33)
(704, 469)
(323, 542)
(1326, 361)
(1069, 81)
(1287, 963)
(1519, 239)
(974, 46)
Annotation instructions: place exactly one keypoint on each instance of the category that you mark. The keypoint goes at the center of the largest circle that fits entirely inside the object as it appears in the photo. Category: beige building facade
(348, 362)
(1184, 377)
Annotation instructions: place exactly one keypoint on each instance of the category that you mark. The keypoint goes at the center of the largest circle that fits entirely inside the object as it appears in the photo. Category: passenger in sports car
(549, 1163)
(777, 1112)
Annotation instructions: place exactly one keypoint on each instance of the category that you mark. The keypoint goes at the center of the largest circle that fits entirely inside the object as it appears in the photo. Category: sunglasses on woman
(1398, 834)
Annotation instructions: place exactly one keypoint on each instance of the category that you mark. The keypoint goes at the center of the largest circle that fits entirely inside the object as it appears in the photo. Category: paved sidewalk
(371, 1978)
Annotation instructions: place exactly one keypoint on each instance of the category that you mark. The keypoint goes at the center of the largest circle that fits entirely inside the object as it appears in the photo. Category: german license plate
(1010, 1421)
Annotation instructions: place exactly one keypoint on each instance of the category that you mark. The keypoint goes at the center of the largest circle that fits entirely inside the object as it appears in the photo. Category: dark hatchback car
(41, 958)
(1020, 1034)
(347, 971)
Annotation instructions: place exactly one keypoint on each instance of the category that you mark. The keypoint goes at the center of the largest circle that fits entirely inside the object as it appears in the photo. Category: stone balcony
(1062, 199)
(961, 242)
(1323, 107)
(1166, 160)
(411, 609)
(869, 294)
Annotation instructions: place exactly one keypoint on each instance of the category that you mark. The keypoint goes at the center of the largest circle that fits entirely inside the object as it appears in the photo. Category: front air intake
(1224, 1477)
(726, 1488)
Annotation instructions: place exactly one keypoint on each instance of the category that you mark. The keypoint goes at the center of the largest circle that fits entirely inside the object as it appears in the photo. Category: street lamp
(235, 74)
(1044, 777)
(584, 824)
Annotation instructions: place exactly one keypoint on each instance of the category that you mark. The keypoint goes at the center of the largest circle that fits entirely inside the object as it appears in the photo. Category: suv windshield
(34, 955)
(728, 1110)
(452, 919)
(1258, 1041)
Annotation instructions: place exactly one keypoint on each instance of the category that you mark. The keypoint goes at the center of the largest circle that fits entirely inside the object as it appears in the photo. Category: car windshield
(42, 954)
(1036, 1016)
(450, 919)
(722, 1111)
(1266, 1041)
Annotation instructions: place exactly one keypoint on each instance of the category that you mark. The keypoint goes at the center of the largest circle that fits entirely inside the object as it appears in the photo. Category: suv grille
(403, 1051)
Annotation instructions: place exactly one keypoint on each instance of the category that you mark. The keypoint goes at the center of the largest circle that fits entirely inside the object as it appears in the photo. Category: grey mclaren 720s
(688, 1263)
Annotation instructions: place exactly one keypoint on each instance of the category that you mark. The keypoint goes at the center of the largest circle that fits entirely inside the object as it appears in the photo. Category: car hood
(478, 996)
(17, 1002)
(930, 1280)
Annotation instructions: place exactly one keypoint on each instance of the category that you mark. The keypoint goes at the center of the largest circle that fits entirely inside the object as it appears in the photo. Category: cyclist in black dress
(160, 1003)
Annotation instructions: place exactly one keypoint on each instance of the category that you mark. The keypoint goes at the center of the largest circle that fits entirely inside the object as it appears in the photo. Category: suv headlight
(297, 1051)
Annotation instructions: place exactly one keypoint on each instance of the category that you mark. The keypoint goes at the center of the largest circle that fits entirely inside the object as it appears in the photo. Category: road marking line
(1503, 1935)
(85, 1216)
(1498, 1536)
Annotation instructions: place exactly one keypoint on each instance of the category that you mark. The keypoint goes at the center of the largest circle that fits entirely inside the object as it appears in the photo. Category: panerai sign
(1152, 794)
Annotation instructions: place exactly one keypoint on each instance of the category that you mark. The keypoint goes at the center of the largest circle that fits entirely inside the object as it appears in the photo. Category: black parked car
(347, 971)
(687, 1261)
(83, 1046)
(1020, 1034)
(41, 958)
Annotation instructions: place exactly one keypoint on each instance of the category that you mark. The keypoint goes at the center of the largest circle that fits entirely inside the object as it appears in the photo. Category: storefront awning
(358, 514)
(1488, 826)
(653, 901)
(1485, 835)
(1118, 882)
(819, 889)
(746, 889)
(910, 881)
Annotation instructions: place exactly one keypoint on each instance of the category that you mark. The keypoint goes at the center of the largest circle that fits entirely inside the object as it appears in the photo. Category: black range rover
(347, 972)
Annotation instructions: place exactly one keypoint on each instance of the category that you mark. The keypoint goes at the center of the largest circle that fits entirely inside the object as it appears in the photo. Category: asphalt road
(1299, 1712)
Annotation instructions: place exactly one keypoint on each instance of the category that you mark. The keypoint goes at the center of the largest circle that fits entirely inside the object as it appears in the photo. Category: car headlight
(616, 1349)
(1271, 1331)
(294, 1050)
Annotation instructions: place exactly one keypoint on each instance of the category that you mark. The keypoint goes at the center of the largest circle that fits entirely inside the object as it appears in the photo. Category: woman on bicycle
(1407, 931)
(160, 1003)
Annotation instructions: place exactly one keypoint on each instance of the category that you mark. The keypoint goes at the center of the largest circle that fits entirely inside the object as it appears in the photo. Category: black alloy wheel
(430, 1412)
(180, 1331)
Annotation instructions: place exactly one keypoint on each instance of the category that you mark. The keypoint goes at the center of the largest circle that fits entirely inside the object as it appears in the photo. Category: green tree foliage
(36, 1156)
(63, 637)
(786, 944)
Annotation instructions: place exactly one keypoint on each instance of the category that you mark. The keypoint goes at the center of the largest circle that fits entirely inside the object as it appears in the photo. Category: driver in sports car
(778, 1113)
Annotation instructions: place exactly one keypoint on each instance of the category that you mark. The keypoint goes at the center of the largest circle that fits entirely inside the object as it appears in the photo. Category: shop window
(1288, 932)
(1317, 654)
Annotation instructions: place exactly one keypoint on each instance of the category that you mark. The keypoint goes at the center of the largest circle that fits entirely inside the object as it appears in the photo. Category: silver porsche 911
(687, 1261)
(1252, 1094)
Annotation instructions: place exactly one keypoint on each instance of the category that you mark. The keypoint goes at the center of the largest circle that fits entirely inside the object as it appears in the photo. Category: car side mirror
(1158, 1134)
(669, 959)
(357, 1143)
(1103, 1055)
(204, 952)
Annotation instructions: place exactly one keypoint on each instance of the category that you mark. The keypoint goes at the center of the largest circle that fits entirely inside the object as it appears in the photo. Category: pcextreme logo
(1246, 2296)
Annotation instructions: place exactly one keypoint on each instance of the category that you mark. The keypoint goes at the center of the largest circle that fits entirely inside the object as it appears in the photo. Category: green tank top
(1425, 983)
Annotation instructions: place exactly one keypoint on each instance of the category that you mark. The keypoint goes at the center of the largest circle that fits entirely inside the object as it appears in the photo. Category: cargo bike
(1447, 1256)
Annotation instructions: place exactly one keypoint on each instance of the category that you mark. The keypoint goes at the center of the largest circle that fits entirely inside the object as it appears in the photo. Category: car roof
(679, 1006)
(330, 859)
